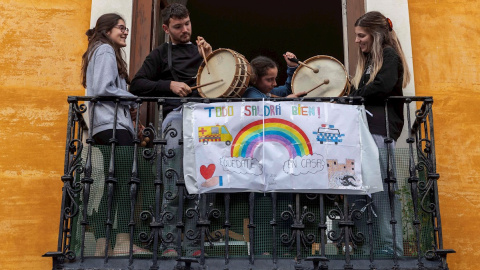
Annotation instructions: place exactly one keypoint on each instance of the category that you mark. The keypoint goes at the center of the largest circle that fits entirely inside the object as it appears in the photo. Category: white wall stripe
(121, 7)
(397, 11)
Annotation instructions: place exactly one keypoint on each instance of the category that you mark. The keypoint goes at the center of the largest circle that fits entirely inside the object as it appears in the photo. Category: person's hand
(288, 55)
(296, 95)
(201, 42)
(133, 114)
(180, 89)
(141, 127)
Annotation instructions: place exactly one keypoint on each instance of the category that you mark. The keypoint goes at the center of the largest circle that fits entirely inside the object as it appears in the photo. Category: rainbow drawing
(271, 130)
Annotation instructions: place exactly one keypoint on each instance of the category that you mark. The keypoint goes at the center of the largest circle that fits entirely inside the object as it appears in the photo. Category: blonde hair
(381, 29)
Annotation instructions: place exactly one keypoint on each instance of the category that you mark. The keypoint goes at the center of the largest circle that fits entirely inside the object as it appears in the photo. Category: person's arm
(147, 81)
(383, 84)
(285, 90)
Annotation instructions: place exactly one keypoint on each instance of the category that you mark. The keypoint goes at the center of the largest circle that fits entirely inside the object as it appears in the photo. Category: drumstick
(204, 58)
(326, 81)
(205, 84)
(295, 60)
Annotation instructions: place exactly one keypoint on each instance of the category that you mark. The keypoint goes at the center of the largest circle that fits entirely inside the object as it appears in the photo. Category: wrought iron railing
(237, 230)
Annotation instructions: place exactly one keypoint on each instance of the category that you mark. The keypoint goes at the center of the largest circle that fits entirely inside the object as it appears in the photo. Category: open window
(254, 28)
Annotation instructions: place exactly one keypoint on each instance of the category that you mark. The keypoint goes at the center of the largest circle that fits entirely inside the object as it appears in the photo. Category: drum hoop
(320, 57)
(242, 77)
(236, 77)
(233, 84)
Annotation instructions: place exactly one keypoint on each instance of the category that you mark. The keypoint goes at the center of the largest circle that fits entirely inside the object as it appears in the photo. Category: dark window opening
(270, 28)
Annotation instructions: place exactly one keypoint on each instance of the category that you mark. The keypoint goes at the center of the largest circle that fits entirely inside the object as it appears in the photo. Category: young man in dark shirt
(170, 71)
(159, 78)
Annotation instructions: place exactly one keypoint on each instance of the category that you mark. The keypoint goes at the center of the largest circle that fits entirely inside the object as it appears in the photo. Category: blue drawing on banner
(328, 133)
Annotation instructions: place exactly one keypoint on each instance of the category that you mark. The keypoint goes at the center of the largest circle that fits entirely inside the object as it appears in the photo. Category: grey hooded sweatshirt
(103, 80)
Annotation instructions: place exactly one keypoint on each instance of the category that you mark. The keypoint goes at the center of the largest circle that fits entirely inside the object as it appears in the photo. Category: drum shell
(229, 66)
(305, 79)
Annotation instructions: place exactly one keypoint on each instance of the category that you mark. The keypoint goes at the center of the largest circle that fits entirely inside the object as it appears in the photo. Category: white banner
(288, 146)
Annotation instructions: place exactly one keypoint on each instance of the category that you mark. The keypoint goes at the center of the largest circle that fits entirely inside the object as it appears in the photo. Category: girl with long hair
(382, 72)
(104, 73)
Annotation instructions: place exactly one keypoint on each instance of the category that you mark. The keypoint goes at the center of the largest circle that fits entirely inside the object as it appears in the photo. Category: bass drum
(330, 69)
(229, 70)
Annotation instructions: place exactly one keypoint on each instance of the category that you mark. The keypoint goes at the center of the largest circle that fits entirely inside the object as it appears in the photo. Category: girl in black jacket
(382, 72)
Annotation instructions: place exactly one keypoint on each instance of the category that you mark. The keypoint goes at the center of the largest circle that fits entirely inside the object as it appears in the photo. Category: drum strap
(169, 56)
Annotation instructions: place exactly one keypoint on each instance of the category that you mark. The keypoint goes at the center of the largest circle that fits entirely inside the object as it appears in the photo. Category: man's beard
(184, 38)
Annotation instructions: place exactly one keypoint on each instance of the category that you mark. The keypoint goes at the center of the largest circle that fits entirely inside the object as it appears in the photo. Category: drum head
(304, 79)
(222, 66)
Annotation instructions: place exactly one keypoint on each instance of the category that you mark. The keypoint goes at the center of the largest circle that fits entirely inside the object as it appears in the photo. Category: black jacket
(387, 82)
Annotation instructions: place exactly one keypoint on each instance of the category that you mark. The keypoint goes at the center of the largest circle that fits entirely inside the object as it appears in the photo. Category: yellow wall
(41, 45)
(446, 58)
(42, 42)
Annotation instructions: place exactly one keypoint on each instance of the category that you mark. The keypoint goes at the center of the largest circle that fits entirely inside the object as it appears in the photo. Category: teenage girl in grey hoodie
(104, 73)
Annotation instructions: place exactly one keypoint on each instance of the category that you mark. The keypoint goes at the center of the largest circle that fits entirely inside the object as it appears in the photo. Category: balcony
(126, 207)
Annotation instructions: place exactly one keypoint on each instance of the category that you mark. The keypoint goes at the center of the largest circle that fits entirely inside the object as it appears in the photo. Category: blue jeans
(172, 163)
(382, 229)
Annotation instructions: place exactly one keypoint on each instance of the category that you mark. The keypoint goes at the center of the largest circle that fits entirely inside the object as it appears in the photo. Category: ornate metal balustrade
(170, 229)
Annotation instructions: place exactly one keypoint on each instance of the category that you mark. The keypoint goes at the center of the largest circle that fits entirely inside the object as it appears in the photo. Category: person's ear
(165, 28)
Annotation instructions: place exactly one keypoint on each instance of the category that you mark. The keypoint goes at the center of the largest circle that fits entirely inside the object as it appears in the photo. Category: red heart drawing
(207, 172)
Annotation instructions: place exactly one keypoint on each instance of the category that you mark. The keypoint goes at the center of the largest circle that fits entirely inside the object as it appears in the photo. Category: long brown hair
(381, 29)
(96, 37)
